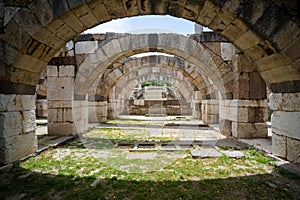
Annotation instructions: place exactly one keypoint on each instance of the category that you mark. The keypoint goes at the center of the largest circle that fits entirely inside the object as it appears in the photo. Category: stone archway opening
(272, 49)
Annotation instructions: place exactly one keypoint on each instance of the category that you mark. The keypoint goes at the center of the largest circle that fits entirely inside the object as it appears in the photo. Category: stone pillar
(114, 108)
(210, 111)
(196, 105)
(285, 122)
(245, 115)
(17, 127)
(66, 116)
(97, 111)
(243, 118)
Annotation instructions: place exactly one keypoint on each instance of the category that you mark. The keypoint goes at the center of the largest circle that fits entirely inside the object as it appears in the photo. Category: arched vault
(209, 63)
(155, 64)
(37, 30)
(181, 86)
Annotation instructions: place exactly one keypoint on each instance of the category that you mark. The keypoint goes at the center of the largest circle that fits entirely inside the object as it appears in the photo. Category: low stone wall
(172, 110)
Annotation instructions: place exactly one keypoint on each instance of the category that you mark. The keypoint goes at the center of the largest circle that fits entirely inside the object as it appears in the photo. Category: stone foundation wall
(17, 127)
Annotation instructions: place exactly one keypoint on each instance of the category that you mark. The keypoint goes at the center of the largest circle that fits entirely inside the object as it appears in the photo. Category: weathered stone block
(249, 130)
(17, 147)
(293, 150)
(67, 71)
(68, 115)
(84, 47)
(227, 50)
(63, 128)
(279, 145)
(59, 115)
(210, 119)
(17, 102)
(257, 89)
(52, 115)
(225, 127)
(29, 121)
(10, 124)
(6, 102)
(291, 101)
(60, 104)
(52, 71)
(60, 88)
(275, 101)
(41, 108)
(286, 123)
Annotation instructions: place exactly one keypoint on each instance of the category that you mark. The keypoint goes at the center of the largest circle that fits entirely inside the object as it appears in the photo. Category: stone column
(196, 105)
(245, 115)
(66, 116)
(286, 125)
(210, 111)
(17, 127)
(97, 111)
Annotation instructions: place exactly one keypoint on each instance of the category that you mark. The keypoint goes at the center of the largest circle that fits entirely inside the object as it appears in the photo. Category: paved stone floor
(187, 133)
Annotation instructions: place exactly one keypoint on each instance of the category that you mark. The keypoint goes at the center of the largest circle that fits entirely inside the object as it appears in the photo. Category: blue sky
(146, 24)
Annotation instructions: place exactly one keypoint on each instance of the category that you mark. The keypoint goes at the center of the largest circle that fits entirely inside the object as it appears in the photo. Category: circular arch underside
(155, 63)
(209, 63)
(123, 92)
(37, 30)
(181, 85)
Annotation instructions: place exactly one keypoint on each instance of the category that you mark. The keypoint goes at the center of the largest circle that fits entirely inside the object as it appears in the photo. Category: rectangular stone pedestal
(66, 116)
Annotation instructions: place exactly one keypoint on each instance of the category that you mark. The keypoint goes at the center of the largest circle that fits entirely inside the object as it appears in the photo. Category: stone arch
(35, 31)
(122, 92)
(112, 76)
(211, 64)
(272, 46)
(128, 83)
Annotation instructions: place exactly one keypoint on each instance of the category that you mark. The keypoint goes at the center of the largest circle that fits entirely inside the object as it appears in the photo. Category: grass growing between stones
(91, 168)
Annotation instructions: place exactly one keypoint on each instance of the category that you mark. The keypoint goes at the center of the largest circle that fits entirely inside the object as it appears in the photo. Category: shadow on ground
(20, 183)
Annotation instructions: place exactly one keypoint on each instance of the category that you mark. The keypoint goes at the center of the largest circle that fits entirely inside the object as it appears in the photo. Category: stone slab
(249, 130)
(63, 128)
(286, 123)
(83, 47)
(233, 154)
(29, 121)
(205, 153)
(60, 88)
(10, 124)
(279, 143)
(66, 71)
(17, 147)
(16, 102)
(293, 150)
